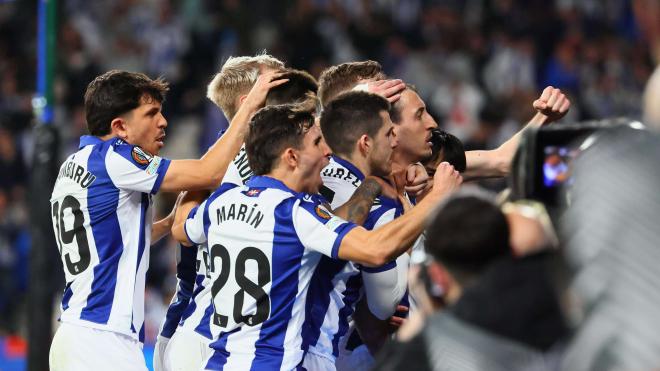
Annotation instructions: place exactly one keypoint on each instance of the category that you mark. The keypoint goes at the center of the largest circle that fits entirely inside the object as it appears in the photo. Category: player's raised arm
(375, 248)
(208, 171)
(551, 106)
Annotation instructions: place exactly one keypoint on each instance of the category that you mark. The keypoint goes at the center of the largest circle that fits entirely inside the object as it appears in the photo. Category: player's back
(264, 242)
(100, 207)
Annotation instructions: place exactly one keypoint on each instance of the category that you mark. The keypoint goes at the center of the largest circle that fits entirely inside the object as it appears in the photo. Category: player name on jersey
(75, 172)
(240, 212)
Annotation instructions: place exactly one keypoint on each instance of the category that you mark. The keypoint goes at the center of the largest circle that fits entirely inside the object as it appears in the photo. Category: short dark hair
(343, 77)
(395, 111)
(350, 116)
(467, 234)
(272, 130)
(115, 93)
(448, 148)
(300, 87)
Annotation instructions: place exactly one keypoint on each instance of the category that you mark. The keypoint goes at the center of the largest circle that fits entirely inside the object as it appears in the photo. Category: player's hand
(417, 180)
(395, 321)
(552, 103)
(388, 89)
(256, 98)
(446, 179)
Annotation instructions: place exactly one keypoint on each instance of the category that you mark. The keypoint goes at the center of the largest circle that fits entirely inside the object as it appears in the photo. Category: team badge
(322, 213)
(140, 156)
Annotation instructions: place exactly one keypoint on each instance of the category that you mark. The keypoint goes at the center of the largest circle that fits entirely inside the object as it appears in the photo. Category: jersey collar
(262, 181)
(87, 140)
(352, 168)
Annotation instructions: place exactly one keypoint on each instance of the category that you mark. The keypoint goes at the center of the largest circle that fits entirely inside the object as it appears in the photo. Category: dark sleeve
(410, 355)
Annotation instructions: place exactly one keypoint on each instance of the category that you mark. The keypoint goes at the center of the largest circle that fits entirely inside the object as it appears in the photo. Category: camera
(542, 168)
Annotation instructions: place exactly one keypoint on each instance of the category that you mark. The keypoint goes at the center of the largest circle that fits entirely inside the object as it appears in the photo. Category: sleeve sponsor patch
(334, 223)
(153, 166)
(140, 156)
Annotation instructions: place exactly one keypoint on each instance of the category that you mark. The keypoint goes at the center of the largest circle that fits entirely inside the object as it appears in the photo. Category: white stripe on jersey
(239, 171)
(102, 218)
(264, 243)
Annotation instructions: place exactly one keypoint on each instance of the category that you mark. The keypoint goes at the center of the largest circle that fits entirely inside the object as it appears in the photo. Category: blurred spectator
(463, 56)
(488, 310)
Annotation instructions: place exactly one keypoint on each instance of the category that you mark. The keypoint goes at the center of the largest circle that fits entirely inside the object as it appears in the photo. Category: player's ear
(364, 144)
(118, 128)
(290, 157)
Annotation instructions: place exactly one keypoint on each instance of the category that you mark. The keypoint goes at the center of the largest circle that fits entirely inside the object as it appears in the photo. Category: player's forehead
(410, 101)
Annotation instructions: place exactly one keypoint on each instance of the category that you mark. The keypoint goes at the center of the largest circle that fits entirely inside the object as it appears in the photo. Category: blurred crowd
(473, 61)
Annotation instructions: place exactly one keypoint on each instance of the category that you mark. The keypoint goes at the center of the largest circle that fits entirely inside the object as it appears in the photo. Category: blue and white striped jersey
(190, 273)
(338, 285)
(102, 216)
(265, 241)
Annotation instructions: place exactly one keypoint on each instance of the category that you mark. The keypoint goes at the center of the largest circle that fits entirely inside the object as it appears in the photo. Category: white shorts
(315, 362)
(159, 353)
(186, 351)
(79, 348)
(358, 359)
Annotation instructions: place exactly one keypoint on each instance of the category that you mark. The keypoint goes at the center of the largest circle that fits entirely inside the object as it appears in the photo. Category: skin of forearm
(160, 229)
(384, 244)
(189, 201)
(357, 208)
(497, 163)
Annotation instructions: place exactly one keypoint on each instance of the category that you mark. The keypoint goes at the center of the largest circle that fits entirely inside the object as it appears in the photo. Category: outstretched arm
(551, 106)
(208, 171)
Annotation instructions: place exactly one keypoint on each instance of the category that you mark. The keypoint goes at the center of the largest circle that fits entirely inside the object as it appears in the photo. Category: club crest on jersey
(322, 212)
(254, 192)
(140, 156)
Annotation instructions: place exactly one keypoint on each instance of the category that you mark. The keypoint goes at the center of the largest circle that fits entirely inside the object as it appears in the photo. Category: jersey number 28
(253, 289)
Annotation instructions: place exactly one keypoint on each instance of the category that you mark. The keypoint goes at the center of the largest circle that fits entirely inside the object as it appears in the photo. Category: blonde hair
(236, 77)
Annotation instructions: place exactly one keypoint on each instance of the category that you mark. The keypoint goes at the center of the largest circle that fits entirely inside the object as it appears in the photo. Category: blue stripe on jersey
(351, 296)
(144, 204)
(287, 259)
(190, 309)
(185, 272)
(318, 299)
(220, 354)
(67, 296)
(341, 231)
(141, 333)
(204, 327)
(162, 169)
(102, 203)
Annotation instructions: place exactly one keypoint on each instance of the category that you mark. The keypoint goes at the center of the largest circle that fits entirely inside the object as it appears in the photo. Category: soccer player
(228, 90)
(266, 238)
(189, 331)
(102, 215)
(357, 127)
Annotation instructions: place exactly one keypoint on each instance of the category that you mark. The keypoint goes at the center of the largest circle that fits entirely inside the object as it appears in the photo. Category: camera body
(542, 168)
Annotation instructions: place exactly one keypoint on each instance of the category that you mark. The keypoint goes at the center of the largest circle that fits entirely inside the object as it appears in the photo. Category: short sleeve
(318, 229)
(194, 225)
(132, 168)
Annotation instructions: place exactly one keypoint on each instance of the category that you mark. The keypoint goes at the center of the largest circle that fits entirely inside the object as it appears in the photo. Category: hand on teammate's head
(389, 89)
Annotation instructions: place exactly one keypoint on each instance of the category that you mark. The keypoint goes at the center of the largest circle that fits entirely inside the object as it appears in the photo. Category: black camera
(542, 168)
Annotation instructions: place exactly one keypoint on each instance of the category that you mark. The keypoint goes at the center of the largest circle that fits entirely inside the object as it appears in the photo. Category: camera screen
(557, 162)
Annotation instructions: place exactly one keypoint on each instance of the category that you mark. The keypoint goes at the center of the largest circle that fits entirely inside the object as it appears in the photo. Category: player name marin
(240, 212)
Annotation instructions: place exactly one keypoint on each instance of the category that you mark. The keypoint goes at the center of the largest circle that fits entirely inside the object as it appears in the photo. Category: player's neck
(287, 177)
(359, 162)
(107, 137)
